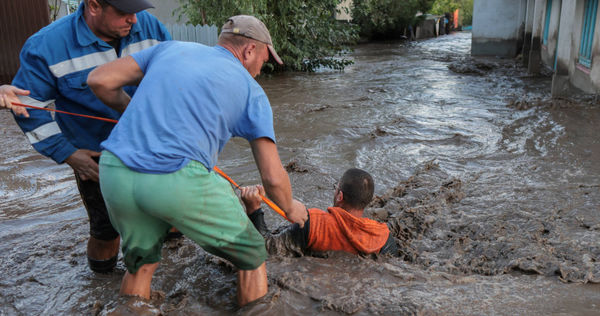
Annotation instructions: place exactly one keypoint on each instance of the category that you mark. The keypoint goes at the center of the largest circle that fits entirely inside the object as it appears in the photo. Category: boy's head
(357, 189)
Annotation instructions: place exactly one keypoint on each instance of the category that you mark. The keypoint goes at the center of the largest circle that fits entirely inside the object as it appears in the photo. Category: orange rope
(265, 199)
(65, 112)
(217, 169)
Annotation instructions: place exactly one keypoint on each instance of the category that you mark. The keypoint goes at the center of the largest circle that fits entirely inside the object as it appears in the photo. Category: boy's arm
(291, 241)
(252, 201)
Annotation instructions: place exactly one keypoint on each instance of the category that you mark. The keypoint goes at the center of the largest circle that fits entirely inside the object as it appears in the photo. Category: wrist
(255, 213)
(254, 209)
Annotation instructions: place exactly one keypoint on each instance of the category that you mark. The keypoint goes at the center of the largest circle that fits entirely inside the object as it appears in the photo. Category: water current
(490, 187)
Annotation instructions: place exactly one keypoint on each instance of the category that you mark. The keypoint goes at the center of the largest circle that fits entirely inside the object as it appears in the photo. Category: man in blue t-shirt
(156, 170)
(54, 66)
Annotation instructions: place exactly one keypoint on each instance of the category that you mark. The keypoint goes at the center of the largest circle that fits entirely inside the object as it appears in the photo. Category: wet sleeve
(41, 129)
(258, 220)
(390, 246)
(291, 241)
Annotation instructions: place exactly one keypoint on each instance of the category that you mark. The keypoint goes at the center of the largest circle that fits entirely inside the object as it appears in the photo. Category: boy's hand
(251, 197)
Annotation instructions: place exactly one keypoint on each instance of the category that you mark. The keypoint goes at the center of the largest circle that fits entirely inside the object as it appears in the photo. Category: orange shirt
(341, 231)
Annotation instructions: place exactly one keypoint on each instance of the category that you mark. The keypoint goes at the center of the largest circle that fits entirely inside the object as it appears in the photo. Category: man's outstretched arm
(107, 81)
(275, 179)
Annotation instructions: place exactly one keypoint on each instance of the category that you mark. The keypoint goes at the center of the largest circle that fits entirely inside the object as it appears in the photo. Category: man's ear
(249, 50)
(339, 197)
(94, 7)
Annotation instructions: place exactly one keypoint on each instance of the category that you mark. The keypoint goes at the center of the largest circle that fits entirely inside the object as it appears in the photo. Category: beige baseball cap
(251, 27)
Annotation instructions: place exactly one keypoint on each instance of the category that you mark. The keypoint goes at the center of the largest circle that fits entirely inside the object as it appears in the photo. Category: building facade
(562, 35)
(498, 27)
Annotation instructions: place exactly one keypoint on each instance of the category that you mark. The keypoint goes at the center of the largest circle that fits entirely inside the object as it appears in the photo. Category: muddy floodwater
(491, 189)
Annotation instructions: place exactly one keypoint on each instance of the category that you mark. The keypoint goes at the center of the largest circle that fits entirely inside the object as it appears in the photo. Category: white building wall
(549, 50)
(498, 27)
(536, 37)
(595, 72)
(163, 10)
(528, 31)
(561, 53)
(583, 78)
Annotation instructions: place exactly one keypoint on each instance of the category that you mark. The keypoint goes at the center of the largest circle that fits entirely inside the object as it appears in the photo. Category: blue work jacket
(55, 63)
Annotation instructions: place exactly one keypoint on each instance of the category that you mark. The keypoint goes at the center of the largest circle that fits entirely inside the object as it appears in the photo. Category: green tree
(387, 18)
(466, 15)
(304, 32)
(465, 8)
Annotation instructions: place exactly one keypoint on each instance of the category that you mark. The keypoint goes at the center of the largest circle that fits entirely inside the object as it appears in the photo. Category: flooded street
(490, 187)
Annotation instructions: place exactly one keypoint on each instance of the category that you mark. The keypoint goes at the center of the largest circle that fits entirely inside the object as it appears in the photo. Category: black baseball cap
(130, 6)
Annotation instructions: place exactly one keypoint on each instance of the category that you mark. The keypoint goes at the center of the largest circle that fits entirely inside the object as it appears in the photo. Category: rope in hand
(65, 112)
(217, 169)
(265, 199)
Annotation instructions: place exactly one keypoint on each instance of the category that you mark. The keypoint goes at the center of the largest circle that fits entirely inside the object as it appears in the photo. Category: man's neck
(356, 213)
(237, 52)
(353, 211)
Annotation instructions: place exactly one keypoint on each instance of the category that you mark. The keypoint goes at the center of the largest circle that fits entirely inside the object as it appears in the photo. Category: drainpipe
(564, 50)
(535, 51)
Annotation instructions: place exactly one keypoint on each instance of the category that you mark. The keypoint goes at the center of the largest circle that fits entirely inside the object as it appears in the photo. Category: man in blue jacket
(55, 63)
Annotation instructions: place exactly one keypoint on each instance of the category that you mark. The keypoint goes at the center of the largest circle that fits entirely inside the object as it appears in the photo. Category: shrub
(304, 32)
(387, 18)
(465, 6)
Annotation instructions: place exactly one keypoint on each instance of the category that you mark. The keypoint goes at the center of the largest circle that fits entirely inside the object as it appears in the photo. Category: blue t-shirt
(192, 99)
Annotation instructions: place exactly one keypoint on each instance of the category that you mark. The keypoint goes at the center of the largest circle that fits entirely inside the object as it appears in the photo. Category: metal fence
(203, 34)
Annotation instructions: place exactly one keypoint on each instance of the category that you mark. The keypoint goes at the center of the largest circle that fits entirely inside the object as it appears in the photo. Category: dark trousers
(100, 226)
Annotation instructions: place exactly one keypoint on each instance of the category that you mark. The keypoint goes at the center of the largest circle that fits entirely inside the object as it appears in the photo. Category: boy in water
(340, 228)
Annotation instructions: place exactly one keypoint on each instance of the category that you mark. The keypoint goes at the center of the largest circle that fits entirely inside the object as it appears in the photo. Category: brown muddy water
(490, 188)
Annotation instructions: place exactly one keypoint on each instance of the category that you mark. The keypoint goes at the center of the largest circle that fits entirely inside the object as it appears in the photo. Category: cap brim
(274, 54)
(132, 6)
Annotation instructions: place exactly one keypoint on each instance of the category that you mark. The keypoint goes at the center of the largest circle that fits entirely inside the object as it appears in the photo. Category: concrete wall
(427, 28)
(498, 27)
(549, 50)
(163, 10)
(579, 76)
(564, 40)
(595, 71)
(528, 31)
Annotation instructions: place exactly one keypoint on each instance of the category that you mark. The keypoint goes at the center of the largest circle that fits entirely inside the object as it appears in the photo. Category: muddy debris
(423, 215)
(580, 101)
(378, 132)
(410, 208)
(294, 166)
(472, 66)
